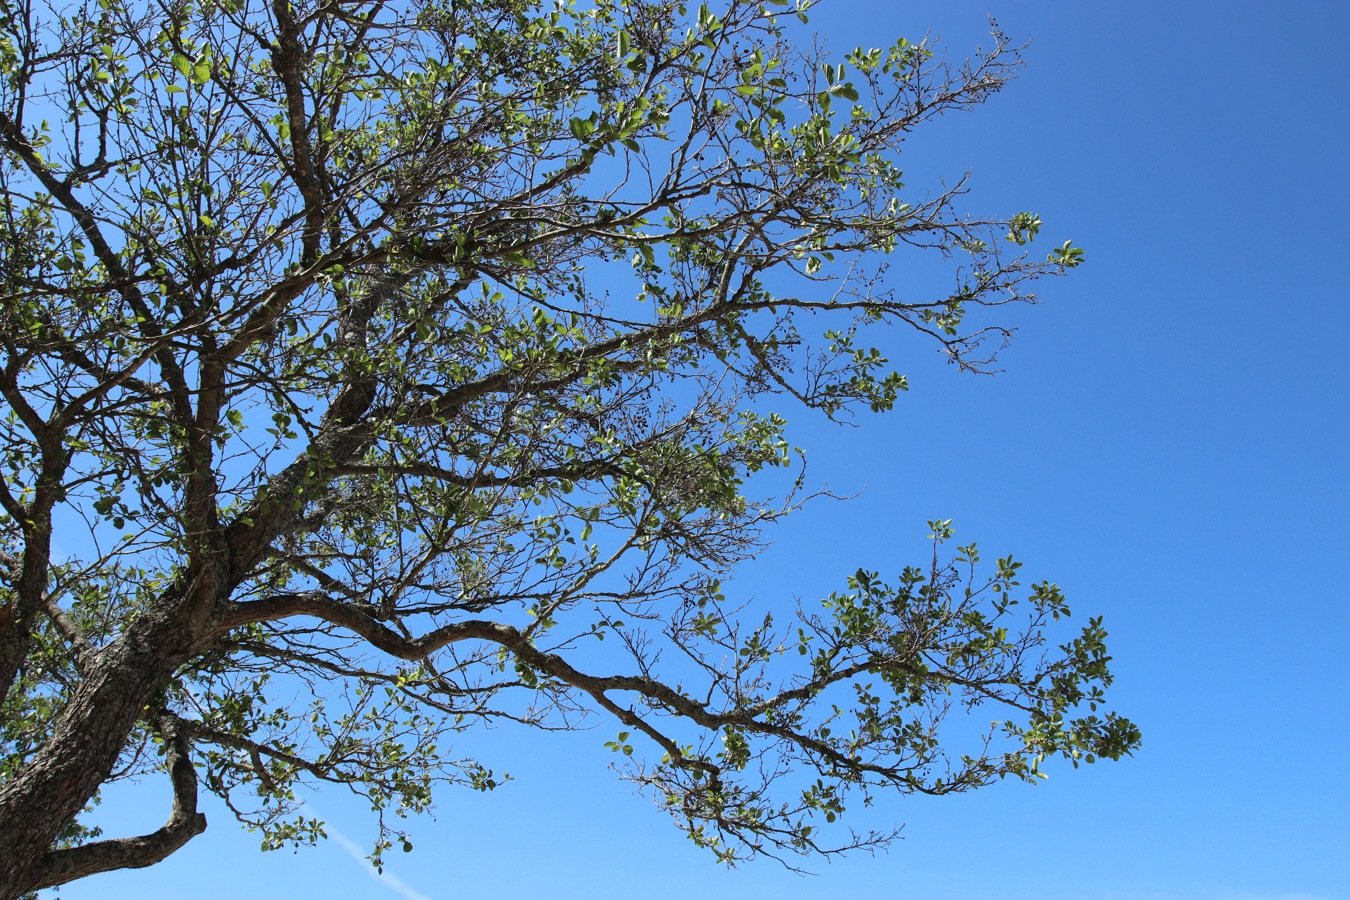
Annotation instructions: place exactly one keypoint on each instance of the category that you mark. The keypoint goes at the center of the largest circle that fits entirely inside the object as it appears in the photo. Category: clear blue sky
(1169, 443)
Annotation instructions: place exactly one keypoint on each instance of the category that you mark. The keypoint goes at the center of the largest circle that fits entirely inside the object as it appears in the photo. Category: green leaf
(581, 128)
(1067, 255)
(516, 258)
(846, 90)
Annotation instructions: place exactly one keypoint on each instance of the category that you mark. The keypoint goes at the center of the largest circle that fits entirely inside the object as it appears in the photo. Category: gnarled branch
(185, 823)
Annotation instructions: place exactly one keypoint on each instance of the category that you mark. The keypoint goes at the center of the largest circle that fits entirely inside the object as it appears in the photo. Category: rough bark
(184, 823)
(84, 748)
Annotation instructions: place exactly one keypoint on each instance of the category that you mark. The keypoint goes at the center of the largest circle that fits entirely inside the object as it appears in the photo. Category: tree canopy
(372, 372)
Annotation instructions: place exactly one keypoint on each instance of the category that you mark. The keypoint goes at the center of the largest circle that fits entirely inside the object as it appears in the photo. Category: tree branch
(284, 606)
(63, 866)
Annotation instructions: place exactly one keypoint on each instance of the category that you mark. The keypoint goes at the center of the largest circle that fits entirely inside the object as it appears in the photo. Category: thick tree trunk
(88, 738)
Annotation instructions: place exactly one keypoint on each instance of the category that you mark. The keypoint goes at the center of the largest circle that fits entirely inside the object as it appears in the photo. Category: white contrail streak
(386, 879)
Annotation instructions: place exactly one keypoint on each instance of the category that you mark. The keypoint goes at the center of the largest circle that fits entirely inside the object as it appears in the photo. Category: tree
(414, 358)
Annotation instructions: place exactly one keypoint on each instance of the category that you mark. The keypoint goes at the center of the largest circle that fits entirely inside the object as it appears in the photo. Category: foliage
(411, 360)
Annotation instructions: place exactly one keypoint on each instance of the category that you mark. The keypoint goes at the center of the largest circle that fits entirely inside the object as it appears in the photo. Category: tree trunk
(88, 738)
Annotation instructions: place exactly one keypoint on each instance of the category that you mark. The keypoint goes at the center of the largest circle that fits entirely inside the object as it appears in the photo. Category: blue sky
(1168, 443)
